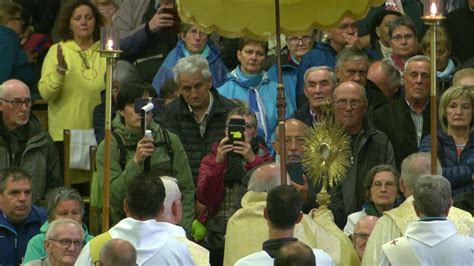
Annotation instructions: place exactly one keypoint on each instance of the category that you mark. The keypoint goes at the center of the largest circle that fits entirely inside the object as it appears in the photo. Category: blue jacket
(289, 74)
(457, 171)
(218, 69)
(268, 92)
(13, 240)
(14, 62)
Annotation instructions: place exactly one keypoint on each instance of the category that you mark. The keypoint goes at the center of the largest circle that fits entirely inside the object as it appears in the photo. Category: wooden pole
(433, 102)
(281, 103)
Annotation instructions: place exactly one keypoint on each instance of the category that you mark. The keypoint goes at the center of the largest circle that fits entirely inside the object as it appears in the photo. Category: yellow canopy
(256, 18)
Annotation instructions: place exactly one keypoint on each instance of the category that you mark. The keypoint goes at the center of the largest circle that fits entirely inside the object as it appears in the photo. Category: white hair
(172, 193)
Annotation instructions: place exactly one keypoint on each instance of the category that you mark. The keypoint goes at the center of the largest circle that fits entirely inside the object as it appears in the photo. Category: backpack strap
(122, 149)
(169, 150)
(96, 244)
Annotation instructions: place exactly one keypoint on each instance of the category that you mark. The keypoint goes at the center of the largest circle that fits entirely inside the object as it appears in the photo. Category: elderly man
(193, 41)
(118, 252)
(395, 221)
(283, 211)
(387, 78)
(249, 83)
(369, 147)
(24, 143)
(319, 83)
(433, 239)
(362, 231)
(199, 114)
(324, 54)
(19, 219)
(410, 113)
(63, 243)
(154, 245)
(297, 47)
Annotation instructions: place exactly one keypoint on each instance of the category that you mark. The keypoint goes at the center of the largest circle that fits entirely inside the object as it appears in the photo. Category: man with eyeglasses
(406, 120)
(324, 54)
(368, 148)
(362, 231)
(23, 143)
(193, 41)
(19, 219)
(63, 243)
(296, 47)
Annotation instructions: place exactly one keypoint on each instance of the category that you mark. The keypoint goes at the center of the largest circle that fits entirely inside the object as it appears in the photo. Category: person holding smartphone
(219, 184)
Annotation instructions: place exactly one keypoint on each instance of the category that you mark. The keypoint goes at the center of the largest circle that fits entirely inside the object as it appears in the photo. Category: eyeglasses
(66, 243)
(17, 103)
(298, 139)
(304, 40)
(380, 185)
(405, 37)
(361, 236)
(354, 104)
(196, 31)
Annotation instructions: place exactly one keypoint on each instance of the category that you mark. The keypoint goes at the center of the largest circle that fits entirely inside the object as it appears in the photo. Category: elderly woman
(63, 243)
(62, 203)
(403, 41)
(15, 63)
(73, 70)
(445, 65)
(381, 184)
(456, 138)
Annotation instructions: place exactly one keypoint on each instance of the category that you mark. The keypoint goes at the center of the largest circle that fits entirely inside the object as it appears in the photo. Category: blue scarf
(448, 71)
(204, 54)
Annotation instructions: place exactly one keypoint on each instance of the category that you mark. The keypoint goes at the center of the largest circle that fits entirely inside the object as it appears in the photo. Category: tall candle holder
(109, 48)
(432, 17)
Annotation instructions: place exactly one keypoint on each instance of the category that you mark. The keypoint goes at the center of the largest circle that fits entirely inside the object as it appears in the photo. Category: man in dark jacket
(198, 115)
(406, 120)
(24, 143)
(368, 147)
(19, 219)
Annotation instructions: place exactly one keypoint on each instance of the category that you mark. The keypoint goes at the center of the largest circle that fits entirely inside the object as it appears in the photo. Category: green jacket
(35, 249)
(160, 163)
(39, 157)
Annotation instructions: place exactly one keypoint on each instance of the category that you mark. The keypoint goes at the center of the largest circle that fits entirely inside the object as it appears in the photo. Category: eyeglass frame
(17, 103)
(348, 102)
(306, 39)
(64, 243)
(406, 37)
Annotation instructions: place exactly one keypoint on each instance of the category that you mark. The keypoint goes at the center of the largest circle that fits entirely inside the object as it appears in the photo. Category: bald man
(361, 234)
(118, 252)
(369, 147)
(23, 143)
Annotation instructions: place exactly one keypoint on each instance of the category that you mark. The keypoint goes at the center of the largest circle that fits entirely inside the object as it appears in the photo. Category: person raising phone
(219, 184)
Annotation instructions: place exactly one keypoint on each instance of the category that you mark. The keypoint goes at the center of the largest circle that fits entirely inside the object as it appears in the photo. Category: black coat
(178, 119)
(394, 119)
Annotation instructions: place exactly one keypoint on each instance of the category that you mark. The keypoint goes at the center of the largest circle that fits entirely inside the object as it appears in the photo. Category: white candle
(110, 45)
(433, 9)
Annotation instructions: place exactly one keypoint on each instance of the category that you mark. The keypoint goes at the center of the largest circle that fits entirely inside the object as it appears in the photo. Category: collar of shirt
(413, 110)
(209, 107)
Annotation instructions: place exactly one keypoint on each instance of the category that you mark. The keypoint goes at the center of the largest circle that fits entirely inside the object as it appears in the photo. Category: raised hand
(160, 20)
(245, 149)
(303, 189)
(62, 65)
(145, 148)
(222, 149)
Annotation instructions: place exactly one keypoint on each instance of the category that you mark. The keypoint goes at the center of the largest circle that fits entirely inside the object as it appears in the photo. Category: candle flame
(110, 45)
(433, 9)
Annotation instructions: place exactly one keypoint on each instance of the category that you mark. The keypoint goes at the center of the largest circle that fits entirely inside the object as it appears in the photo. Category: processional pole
(109, 48)
(432, 17)
(281, 103)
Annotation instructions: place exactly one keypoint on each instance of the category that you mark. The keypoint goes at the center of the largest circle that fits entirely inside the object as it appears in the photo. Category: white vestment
(434, 243)
(394, 222)
(154, 245)
(262, 258)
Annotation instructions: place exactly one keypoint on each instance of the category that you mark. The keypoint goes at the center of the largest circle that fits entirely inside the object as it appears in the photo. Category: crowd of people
(196, 180)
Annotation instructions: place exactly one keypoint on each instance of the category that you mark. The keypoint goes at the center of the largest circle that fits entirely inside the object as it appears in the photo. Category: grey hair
(51, 232)
(416, 58)
(401, 21)
(392, 73)
(414, 166)
(125, 73)
(259, 183)
(12, 173)
(112, 254)
(191, 65)
(350, 53)
(320, 68)
(172, 193)
(360, 87)
(59, 194)
(432, 195)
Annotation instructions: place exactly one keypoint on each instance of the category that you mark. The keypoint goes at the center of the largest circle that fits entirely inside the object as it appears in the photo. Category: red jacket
(210, 182)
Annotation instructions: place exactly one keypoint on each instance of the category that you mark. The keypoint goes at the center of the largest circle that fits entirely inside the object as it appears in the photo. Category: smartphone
(295, 171)
(235, 130)
(176, 18)
(140, 102)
